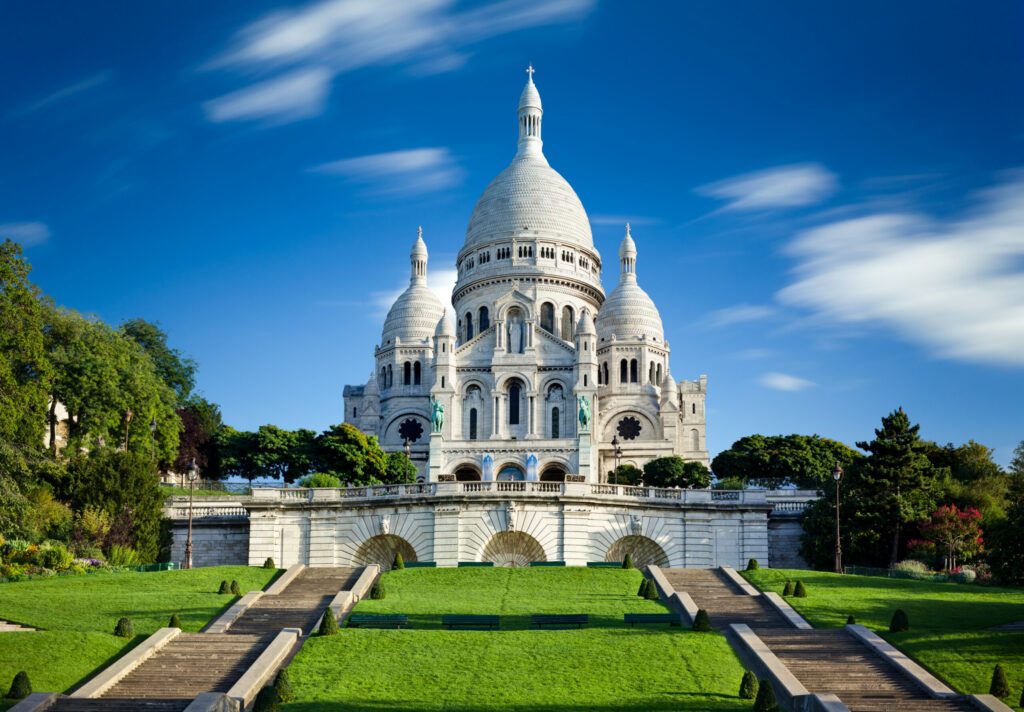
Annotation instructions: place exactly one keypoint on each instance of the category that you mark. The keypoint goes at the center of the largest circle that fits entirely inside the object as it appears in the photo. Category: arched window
(514, 391)
(484, 322)
(650, 373)
(383, 377)
(568, 323)
(469, 326)
(555, 423)
(416, 373)
(694, 440)
(606, 381)
(472, 424)
(632, 371)
(623, 371)
(391, 376)
(355, 413)
(547, 317)
(693, 407)
(585, 384)
(658, 374)
(599, 380)
(407, 374)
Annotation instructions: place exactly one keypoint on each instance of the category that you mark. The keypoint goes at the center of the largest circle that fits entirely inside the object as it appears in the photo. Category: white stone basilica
(542, 375)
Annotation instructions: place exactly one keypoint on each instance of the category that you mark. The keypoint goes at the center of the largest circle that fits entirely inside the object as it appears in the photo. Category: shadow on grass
(432, 621)
(106, 663)
(681, 702)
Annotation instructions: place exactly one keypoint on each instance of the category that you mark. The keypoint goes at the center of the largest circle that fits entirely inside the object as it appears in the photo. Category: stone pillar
(446, 534)
(576, 535)
(435, 457)
(264, 538)
(321, 537)
(698, 548)
(531, 412)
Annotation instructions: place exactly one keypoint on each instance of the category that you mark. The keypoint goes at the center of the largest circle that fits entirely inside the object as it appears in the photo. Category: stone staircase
(300, 605)
(825, 661)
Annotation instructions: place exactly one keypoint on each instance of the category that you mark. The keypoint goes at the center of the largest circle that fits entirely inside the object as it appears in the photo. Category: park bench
(474, 564)
(651, 619)
(421, 564)
(547, 563)
(366, 620)
(560, 620)
(468, 621)
(604, 564)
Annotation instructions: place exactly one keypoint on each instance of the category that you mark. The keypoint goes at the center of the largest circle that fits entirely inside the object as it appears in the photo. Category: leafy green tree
(320, 479)
(174, 368)
(805, 461)
(969, 477)
(237, 453)
(346, 452)
(400, 469)
(626, 475)
(283, 454)
(200, 421)
(25, 371)
(673, 471)
(730, 483)
(1005, 544)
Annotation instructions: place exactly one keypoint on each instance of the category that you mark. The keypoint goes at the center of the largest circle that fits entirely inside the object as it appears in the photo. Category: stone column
(532, 414)
(435, 457)
(321, 537)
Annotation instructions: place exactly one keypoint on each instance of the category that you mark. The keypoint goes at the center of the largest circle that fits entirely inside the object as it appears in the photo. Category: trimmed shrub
(765, 701)
(269, 563)
(175, 622)
(642, 591)
(652, 591)
(224, 587)
(748, 686)
(787, 590)
(268, 700)
(122, 556)
(800, 591)
(627, 562)
(913, 569)
(378, 592)
(399, 562)
(236, 590)
(900, 623)
(283, 685)
(124, 628)
(702, 622)
(964, 575)
(850, 620)
(329, 624)
(1000, 686)
(20, 687)
(752, 565)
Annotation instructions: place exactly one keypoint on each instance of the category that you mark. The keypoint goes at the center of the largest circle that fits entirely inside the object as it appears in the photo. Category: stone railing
(208, 510)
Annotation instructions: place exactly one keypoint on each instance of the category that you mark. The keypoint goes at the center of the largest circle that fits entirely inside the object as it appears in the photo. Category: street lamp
(618, 454)
(408, 447)
(837, 475)
(193, 475)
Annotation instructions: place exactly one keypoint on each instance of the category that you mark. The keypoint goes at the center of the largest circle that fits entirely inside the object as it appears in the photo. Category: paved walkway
(822, 660)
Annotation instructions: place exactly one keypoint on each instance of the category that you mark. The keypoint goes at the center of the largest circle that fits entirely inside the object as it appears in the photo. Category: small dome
(530, 98)
(629, 313)
(669, 393)
(444, 326)
(371, 386)
(413, 317)
(585, 325)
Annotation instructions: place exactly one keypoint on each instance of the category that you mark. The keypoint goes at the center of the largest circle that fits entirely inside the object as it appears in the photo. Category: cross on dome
(530, 70)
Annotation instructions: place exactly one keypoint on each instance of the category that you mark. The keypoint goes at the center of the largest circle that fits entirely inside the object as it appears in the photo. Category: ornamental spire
(418, 258)
(627, 256)
(530, 113)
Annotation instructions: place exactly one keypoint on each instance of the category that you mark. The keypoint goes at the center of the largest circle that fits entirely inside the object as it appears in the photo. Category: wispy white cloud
(409, 172)
(296, 95)
(440, 281)
(621, 220)
(66, 93)
(784, 382)
(780, 187)
(955, 286)
(27, 234)
(339, 36)
(739, 314)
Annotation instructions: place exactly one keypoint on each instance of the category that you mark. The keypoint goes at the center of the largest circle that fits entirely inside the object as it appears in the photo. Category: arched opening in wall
(515, 549)
(623, 371)
(484, 322)
(606, 381)
(694, 439)
(642, 550)
(568, 323)
(632, 371)
(657, 375)
(650, 374)
(516, 333)
(467, 473)
(555, 423)
(381, 550)
(547, 317)
(383, 377)
(472, 424)
(553, 473)
(511, 473)
(417, 373)
(515, 394)
(407, 374)
(391, 376)
(469, 326)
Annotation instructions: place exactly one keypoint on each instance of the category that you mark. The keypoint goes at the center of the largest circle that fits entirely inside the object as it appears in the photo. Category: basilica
(541, 375)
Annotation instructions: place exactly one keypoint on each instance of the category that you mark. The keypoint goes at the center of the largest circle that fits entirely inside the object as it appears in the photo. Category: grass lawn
(174, 491)
(948, 621)
(604, 667)
(78, 613)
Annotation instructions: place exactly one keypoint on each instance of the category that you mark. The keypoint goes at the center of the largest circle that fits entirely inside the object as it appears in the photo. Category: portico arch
(467, 473)
(553, 473)
(381, 550)
(643, 550)
(515, 549)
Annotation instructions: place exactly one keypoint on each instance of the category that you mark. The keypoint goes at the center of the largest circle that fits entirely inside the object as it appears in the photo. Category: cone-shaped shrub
(20, 687)
(651, 594)
(799, 590)
(642, 591)
(899, 623)
(765, 701)
(627, 563)
(748, 686)
(701, 622)
(1000, 687)
(124, 628)
(752, 565)
(236, 590)
(399, 562)
(269, 563)
(378, 591)
(224, 587)
(267, 700)
(787, 590)
(329, 624)
(175, 622)
(850, 620)
(283, 685)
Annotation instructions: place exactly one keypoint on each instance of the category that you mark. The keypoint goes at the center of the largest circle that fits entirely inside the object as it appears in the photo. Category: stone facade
(216, 541)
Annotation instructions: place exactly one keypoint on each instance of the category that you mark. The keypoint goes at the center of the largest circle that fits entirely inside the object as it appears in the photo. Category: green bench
(474, 564)
(604, 564)
(547, 563)
(560, 620)
(468, 621)
(651, 619)
(366, 620)
(421, 564)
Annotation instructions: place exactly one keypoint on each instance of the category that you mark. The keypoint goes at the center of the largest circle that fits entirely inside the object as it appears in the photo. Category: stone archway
(642, 550)
(467, 473)
(515, 549)
(553, 473)
(381, 550)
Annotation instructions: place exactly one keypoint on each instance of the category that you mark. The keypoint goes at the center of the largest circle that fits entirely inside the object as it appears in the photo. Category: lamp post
(193, 475)
(408, 447)
(837, 475)
(618, 454)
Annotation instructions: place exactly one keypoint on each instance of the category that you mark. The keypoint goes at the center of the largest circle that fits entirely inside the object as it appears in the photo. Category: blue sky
(827, 199)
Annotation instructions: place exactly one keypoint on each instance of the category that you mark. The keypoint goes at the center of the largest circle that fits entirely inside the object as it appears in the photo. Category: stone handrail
(208, 510)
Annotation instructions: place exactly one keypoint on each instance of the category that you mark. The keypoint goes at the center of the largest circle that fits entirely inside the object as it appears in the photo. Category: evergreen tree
(765, 701)
(1000, 687)
(329, 624)
(748, 686)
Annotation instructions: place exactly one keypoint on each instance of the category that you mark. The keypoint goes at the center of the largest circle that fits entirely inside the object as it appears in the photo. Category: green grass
(78, 614)
(173, 491)
(603, 667)
(948, 621)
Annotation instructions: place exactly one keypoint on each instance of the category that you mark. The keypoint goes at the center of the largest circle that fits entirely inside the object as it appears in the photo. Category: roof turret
(414, 315)
(629, 313)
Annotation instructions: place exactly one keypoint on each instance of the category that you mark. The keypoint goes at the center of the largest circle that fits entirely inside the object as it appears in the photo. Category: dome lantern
(530, 115)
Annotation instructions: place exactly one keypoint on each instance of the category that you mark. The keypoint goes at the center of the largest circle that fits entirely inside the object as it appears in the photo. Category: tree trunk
(895, 553)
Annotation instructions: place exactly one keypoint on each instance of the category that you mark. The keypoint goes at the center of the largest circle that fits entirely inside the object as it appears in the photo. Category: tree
(200, 422)
(957, 533)
(237, 453)
(346, 452)
(175, 369)
(283, 454)
(969, 477)
(673, 471)
(626, 475)
(25, 371)
(400, 469)
(805, 461)
(1005, 544)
